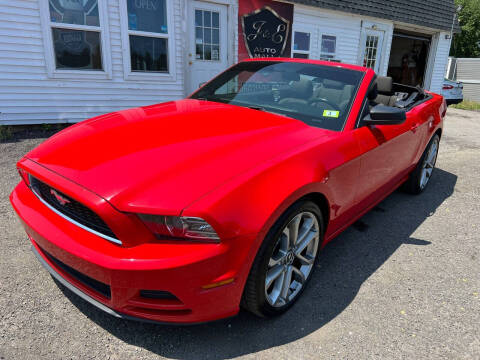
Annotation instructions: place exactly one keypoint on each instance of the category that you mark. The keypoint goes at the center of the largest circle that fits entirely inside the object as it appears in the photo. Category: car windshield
(318, 95)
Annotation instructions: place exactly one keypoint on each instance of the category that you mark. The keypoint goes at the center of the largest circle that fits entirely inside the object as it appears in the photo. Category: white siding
(348, 30)
(440, 61)
(468, 69)
(471, 91)
(28, 95)
(468, 72)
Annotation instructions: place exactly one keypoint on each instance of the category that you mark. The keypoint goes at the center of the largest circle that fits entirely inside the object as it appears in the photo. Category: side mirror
(385, 115)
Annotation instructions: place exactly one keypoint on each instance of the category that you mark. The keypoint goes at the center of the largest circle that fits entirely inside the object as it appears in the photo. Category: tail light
(447, 87)
(443, 109)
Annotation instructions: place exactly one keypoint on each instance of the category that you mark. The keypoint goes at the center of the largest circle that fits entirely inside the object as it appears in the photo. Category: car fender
(267, 188)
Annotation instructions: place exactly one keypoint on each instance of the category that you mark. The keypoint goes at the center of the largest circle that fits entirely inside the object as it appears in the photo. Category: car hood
(160, 158)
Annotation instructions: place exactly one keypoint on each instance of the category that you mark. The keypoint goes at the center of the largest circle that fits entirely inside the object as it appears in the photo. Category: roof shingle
(436, 14)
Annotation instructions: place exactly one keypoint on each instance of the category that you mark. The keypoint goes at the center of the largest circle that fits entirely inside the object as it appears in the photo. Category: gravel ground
(403, 283)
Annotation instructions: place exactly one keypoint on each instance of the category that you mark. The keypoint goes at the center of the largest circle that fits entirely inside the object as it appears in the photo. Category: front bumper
(179, 269)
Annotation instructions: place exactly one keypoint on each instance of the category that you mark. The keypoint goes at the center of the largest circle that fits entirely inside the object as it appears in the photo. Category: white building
(68, 60)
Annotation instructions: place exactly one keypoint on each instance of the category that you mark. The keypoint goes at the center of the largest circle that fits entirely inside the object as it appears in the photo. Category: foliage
(467, 105)
(6, 133)
(466, 44)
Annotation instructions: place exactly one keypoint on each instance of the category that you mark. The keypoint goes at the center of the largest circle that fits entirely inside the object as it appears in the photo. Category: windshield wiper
(256, 107)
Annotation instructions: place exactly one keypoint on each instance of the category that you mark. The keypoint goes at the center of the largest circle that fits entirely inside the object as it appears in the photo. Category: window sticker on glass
(331, 113)
(301, 41)
(74, 12)
(150, 15)
(132, 21)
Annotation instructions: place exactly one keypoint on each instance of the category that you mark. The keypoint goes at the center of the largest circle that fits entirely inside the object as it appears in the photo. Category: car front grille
(71, 209)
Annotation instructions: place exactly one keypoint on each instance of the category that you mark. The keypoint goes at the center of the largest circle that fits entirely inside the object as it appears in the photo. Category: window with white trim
(148, 36)
(75, 40)
(301, 45)
(370, 55)
(328, 47)
(74, 35)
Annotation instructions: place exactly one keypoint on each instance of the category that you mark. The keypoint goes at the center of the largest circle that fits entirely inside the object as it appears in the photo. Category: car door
(387, 152)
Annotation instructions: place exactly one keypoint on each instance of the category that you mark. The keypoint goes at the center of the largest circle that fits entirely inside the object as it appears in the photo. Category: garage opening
(409, 58)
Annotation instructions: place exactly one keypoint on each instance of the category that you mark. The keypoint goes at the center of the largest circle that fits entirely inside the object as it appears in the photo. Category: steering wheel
(325, 101)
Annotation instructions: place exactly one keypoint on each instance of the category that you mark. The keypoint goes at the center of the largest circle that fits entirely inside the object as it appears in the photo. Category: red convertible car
(185, 211)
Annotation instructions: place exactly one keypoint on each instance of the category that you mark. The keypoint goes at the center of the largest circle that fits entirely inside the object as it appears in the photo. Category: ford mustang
(185, 211)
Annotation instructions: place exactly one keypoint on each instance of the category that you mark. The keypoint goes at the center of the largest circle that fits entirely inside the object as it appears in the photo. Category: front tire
(285, 261)
(420, 176)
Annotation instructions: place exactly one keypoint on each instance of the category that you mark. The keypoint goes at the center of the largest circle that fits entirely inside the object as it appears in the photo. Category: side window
(207, 35)
(148, 41)
(148, 35)
(75, 37)
(301, 45)
(370, 56)
(328, 47)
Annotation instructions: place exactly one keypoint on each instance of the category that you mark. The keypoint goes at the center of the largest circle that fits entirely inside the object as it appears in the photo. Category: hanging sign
(265, 31)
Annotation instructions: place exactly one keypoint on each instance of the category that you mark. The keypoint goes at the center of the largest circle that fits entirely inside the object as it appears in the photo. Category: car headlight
(183, 227)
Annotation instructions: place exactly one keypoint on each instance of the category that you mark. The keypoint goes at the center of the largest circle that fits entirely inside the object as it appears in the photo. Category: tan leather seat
(335, 92)
(298, 95)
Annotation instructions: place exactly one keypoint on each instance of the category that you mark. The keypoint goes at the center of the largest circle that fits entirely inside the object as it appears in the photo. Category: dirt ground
(404, 283)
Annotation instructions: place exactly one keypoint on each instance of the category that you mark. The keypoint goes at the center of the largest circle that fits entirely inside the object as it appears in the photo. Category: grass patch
(6, 133)
(468, 105)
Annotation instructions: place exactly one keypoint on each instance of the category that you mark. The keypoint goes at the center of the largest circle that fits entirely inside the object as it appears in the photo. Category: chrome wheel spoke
(285, 240)
(305, 259)
(301, 245)
(275, 297)
(432, 153)
(277, 259)
(273, 275)
(305, 230)
(299, 275)
(293, 229)
(429, 164)
(286, 284)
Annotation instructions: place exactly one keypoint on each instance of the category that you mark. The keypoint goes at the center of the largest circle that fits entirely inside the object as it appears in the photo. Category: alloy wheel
(429, 164)
(292, 259)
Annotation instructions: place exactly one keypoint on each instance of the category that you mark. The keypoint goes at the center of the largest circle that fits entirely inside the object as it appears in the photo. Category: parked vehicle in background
(452, 91)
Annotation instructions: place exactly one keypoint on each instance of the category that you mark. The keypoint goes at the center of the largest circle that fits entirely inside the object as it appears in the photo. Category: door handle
(414, 127)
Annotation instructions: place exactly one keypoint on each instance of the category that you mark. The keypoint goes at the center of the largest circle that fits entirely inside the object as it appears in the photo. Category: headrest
(303, 89)
(384, 84)
(290, 76)
(332, 84)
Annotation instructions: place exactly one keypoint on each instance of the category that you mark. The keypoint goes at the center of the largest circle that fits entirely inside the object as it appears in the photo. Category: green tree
(466, 44)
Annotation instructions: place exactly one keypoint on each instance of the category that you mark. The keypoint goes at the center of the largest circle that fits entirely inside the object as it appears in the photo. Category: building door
(409, 58)
(207, 54)
(372, 41)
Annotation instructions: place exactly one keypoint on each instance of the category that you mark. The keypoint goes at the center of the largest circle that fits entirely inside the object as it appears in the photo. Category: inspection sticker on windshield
(331, 113)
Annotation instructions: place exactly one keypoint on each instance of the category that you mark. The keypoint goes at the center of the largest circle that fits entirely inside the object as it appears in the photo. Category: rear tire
(285, 261)
(421, 175)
